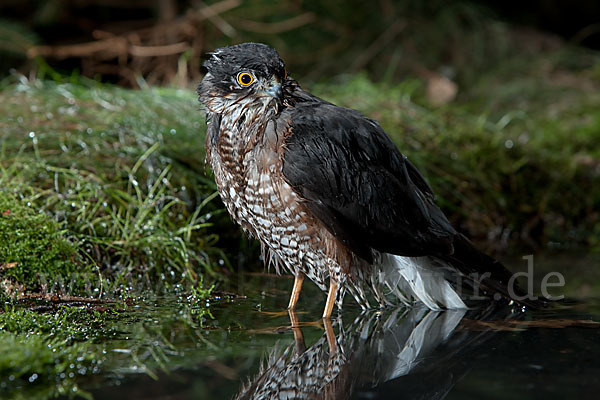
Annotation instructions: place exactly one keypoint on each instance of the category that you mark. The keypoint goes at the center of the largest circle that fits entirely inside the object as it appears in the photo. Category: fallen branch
(158, 51)
(278, 27)
(212, 14)
(111, 46)
(10, 265)
(54, 298)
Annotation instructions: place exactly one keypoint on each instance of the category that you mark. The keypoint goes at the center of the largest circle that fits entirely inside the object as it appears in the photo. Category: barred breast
(251, 185)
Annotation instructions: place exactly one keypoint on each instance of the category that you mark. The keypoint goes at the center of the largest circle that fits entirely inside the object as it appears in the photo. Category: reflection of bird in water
(328, 195)
(374, 349)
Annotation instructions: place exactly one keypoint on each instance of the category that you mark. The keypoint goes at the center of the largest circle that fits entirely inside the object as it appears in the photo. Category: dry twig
(153, 52)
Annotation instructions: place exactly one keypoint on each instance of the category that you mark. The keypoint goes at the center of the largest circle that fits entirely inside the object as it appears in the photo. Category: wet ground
(244, 346)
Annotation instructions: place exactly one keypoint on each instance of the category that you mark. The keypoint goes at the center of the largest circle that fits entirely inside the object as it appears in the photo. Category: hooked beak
(274, 91)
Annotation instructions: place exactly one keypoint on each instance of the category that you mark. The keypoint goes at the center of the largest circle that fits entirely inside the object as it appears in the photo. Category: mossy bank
(111, 183)
(104, 194)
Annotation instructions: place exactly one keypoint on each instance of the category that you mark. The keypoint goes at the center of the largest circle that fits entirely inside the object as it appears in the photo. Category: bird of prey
(328, 194)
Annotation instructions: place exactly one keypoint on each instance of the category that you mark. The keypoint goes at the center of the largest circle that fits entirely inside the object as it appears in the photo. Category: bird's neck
(236, 131)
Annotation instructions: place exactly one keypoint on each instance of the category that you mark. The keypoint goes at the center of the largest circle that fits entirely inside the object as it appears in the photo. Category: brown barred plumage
(328, 195)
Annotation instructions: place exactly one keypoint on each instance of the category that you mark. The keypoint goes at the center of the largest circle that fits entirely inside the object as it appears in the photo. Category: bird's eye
(284, 72)
(245, 78)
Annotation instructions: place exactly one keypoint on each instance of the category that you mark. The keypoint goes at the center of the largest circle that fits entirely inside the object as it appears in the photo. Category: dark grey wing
(359, 185)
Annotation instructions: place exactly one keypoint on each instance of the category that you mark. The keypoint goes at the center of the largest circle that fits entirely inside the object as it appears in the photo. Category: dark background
(329, 38)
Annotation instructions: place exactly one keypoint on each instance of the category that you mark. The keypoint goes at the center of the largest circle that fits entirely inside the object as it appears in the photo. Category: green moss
(48, 350)
(66, 324)
(46, 369)
(31, 244)
(44, 353)
(121, 171)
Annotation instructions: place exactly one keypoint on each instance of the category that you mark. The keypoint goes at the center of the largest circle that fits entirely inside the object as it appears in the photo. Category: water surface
(250, 348)
(243, 344)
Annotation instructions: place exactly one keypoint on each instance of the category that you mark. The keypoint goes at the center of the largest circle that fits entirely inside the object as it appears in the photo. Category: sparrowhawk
(328, 194)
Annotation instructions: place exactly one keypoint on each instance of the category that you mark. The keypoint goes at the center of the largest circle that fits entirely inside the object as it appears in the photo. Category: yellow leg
(333, 287)
(300, 346)
(296, 291)
(330, 336)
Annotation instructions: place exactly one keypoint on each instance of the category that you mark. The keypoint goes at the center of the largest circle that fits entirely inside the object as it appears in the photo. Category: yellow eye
(284, 73)
(245, 78)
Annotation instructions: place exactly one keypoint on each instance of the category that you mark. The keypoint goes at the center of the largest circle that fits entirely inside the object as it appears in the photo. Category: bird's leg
(331, 296)
(331, 340)
(300, 345)
(298, 279)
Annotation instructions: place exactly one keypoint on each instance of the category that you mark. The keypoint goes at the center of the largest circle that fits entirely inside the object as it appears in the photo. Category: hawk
(328, 194)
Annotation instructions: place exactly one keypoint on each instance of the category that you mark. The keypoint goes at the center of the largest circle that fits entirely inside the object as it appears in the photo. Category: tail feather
(428, 279)
(442, 281)
(416, 277)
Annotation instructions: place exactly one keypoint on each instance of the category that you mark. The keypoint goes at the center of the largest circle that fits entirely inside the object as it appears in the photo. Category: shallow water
(170, 348)
(398, 353)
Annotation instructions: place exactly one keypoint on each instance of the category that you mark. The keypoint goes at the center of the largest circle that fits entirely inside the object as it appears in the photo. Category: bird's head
(247, 74)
